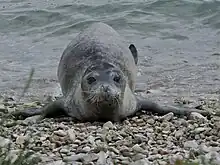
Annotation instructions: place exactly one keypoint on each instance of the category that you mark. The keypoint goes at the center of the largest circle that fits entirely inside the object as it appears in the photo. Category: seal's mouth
(104, 99)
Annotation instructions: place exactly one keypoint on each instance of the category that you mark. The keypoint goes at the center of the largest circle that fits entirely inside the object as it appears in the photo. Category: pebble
(154, 157)
(86, 149)
(76, 157)
(191, 144)
(71, 134)
(197, 116)
(58, 162)
(161, 162)
(20, 139)
(12, 156)
(108, 125)
(102, 158)
(37, 148)
(179, 133)
(200, 129)
(2, 108)
(77, 141)
(214, 156)
(4, 142)
(64, 151)
(137, 148)
(174, 158)
(168, 117)
(151, 121)
(139, 156)
(91, 139)
(31, 120)
(124, 162)
(141, 162)
(90, 158)
(203, 147)
(113, 149)
(60, 133)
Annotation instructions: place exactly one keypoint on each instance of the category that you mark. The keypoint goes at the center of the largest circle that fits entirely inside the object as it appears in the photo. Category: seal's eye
(91, 80)
(117, 78)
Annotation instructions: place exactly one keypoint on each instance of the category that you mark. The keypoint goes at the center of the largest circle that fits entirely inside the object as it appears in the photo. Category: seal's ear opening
(134, 53)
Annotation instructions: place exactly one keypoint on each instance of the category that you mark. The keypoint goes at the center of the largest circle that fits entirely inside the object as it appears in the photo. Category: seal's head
(103, 86)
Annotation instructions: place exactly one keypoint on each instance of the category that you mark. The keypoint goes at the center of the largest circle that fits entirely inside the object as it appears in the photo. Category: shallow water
(178, 42)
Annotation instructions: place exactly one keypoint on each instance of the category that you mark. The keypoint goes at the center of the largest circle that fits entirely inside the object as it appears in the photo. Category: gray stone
(151, 121)
(58, 162)
(31, 120)
(197, 116)
(64, 151)
(76, 157)
(141, 162)
(86, 149)
(60, 133)
(191, 144)
(137, 148)
(72, 135)
(168, 117)
(154, 157)
(161, 162)
(203, 147)
(90, 157)
(2, 108)
(108, 125)
(139, 156)
(213, 156)
(4, 142)
(179, 133)
(201, 129)
(91, 139)
(114, 149)
(102, 158)
(21, 139)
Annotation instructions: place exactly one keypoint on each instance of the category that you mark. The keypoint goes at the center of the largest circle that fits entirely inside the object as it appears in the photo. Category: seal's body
(97, 48)
(97, 74)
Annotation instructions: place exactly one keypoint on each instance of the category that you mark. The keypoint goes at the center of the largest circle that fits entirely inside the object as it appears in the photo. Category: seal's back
(96, 44)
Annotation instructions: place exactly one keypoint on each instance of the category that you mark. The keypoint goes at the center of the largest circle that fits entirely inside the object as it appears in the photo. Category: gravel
(144, 139)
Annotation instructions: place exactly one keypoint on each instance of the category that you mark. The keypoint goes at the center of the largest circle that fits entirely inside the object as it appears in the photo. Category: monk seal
(97, 73)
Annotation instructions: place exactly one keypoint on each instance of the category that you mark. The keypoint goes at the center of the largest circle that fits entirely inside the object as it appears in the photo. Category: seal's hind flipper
(134, 53)
(162, 110)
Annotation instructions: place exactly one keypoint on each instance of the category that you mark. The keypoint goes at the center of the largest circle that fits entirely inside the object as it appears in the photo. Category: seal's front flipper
(53, 109)
(27, 113)
(162, 110)
(134, 53)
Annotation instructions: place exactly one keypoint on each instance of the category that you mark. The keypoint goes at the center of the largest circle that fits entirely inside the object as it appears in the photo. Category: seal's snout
(105, 88)
(106, 92)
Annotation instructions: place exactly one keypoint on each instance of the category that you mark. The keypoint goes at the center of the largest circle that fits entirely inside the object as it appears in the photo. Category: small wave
(23, 20)
(67, 29)
(212, 20)
(201, 1)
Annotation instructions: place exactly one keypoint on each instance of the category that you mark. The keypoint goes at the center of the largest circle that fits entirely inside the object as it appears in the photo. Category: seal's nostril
(105, 88)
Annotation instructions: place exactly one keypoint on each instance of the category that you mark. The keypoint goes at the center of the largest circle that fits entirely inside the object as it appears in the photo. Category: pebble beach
(145, 138)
